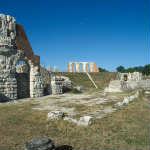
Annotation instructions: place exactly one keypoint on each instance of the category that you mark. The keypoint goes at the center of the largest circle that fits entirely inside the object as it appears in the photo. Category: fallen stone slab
(83, 121)
(71, 119)
(56, 114)
(127, 99)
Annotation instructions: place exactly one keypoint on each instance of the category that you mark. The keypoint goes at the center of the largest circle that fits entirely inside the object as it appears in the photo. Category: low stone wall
(46, 75)
(144, 83)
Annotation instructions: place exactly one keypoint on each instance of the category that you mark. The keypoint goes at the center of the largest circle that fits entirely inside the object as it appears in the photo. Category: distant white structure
(82, 67)
(135, 76)
(125, 81)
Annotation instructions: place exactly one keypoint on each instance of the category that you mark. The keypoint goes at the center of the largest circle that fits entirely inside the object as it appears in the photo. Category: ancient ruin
(82, 67)
(126, 81)
(21, 75)
(19, 67)
(135, 76)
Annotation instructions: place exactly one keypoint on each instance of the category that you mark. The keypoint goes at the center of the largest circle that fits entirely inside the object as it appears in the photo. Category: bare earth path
(94, 103)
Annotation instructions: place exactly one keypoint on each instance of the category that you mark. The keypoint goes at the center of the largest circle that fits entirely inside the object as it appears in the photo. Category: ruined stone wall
(46, 77)
(15, 47)
(23, 86)
(135, 76)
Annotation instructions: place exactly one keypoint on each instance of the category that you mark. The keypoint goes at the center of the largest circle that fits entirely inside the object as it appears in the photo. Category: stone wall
(14, 47)
(134, 81)
(46, 77)
(144, 83)
(60, 84)
(23, 86)
(135, 76)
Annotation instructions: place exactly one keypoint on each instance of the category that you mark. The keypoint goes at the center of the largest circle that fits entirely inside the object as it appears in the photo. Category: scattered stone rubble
(57, 114)
(127, 99)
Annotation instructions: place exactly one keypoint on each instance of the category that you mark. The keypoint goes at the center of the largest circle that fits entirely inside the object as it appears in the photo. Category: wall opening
(81, 67)
(88, 68)
(73, 67)
(23, 79)
(125, 77)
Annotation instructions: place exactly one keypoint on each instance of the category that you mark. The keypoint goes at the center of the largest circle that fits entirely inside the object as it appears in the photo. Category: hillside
(101, 79)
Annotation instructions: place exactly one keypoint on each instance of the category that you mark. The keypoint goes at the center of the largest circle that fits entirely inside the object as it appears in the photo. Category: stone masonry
(14, 47)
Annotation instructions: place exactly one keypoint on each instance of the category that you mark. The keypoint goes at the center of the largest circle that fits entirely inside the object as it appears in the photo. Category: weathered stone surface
(56, 114)
(7, 34)
(79, 88)
(114, 86)
(133, 81)
(144, 84)
(135, 76)
(14, 47)
(60, 84)
(127, 99)
(41, 143)
(85, 120)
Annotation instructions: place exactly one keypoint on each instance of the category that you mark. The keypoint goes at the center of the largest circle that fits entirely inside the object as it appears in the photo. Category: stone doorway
(23, 79)
(125, 77)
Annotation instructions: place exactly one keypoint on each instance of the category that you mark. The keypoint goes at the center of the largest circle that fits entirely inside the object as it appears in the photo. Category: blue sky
(108, 32)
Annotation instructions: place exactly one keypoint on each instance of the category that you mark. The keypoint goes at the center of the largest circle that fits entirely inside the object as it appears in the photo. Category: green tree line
(143, 69)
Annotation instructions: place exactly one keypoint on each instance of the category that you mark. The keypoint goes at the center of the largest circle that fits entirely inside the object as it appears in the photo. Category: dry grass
(101, 79)
(128, 128)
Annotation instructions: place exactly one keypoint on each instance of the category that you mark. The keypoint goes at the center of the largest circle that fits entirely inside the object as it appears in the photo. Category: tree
(120, 69)
(102, 70)
(146, 70)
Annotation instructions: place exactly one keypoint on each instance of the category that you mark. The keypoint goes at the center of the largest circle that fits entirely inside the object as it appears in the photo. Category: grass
(127, 128)
(101, 79)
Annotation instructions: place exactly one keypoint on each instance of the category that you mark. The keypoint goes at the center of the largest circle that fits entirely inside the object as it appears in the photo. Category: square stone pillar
(77, 67)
